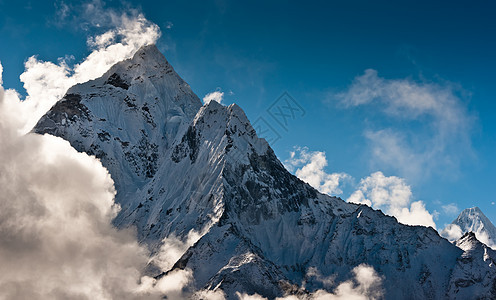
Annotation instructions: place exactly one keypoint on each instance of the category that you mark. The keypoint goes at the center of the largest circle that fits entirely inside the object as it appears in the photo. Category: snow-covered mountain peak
(149, 53)
(128, 117)
(472, 216)
(230, 126)
(148, 59)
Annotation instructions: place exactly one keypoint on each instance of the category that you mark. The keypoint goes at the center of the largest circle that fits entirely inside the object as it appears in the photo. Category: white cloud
(47, 82)
(392, 148)
(243, 296)
(390, 194)
(440, 137)
(56, 208)
(366, 284)
(309, 167)
(210, 295)
(393, 196)
(217, 96)
(172, 249)
(452, 232)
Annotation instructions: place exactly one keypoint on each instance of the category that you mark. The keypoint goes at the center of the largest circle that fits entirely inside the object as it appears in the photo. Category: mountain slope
(203, 176)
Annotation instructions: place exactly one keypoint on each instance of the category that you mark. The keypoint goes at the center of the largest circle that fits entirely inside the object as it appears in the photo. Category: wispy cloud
(309, 167)
(432, 133)
(451, 209)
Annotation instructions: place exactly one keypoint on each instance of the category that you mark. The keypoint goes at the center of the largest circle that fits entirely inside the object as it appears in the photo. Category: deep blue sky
(313, 50)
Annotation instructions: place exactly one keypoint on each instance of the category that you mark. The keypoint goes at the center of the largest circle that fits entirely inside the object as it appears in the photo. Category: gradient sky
(317, 52)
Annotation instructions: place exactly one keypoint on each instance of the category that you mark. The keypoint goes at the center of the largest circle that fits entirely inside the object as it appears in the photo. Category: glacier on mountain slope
(200, 174)
(472, 220)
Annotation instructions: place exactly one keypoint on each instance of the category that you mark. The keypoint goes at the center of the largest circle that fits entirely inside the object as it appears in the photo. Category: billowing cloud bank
(56, 207)
(309, 167)
(394, 196)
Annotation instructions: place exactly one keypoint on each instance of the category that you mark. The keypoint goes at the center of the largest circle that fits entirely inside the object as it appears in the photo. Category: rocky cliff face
(181, 168)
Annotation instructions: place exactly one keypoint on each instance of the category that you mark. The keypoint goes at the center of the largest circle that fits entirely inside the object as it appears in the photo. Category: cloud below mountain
(365, 284)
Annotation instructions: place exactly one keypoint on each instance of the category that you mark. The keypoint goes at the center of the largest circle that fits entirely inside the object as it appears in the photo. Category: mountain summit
(128, 117)
(201, 174)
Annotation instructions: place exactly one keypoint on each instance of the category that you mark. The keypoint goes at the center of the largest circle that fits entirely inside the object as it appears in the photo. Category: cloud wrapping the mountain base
(56, 208)
(309, 167)
(209, 295)
(366, 284)
(393, 196)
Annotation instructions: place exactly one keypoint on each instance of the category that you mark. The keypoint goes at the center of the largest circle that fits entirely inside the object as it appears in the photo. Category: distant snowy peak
(472, 220)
